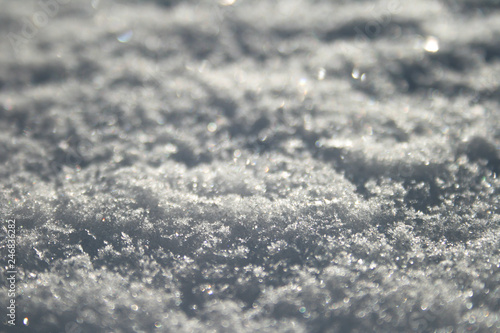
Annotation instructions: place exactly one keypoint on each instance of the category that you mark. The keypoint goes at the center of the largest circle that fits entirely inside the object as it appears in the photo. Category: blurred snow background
(252, 166)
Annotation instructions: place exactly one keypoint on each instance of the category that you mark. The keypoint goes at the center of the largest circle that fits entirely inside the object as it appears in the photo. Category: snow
(252, 166)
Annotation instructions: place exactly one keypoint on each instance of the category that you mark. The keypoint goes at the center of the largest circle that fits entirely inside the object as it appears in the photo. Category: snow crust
(253, 166)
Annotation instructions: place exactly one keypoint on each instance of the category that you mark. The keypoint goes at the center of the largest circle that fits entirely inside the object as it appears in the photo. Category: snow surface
(252, 166)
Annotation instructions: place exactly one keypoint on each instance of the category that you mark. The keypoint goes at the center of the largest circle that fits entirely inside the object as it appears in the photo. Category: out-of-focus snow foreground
(251, 166)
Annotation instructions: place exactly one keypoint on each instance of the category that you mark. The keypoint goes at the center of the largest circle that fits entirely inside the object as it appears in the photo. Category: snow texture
(252, 166)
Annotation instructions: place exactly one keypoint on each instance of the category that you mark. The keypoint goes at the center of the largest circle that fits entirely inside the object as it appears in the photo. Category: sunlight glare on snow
(355, 73)
(431, 44)
(212, 127)
(321, 74)
(227, 2)
(126, 36)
